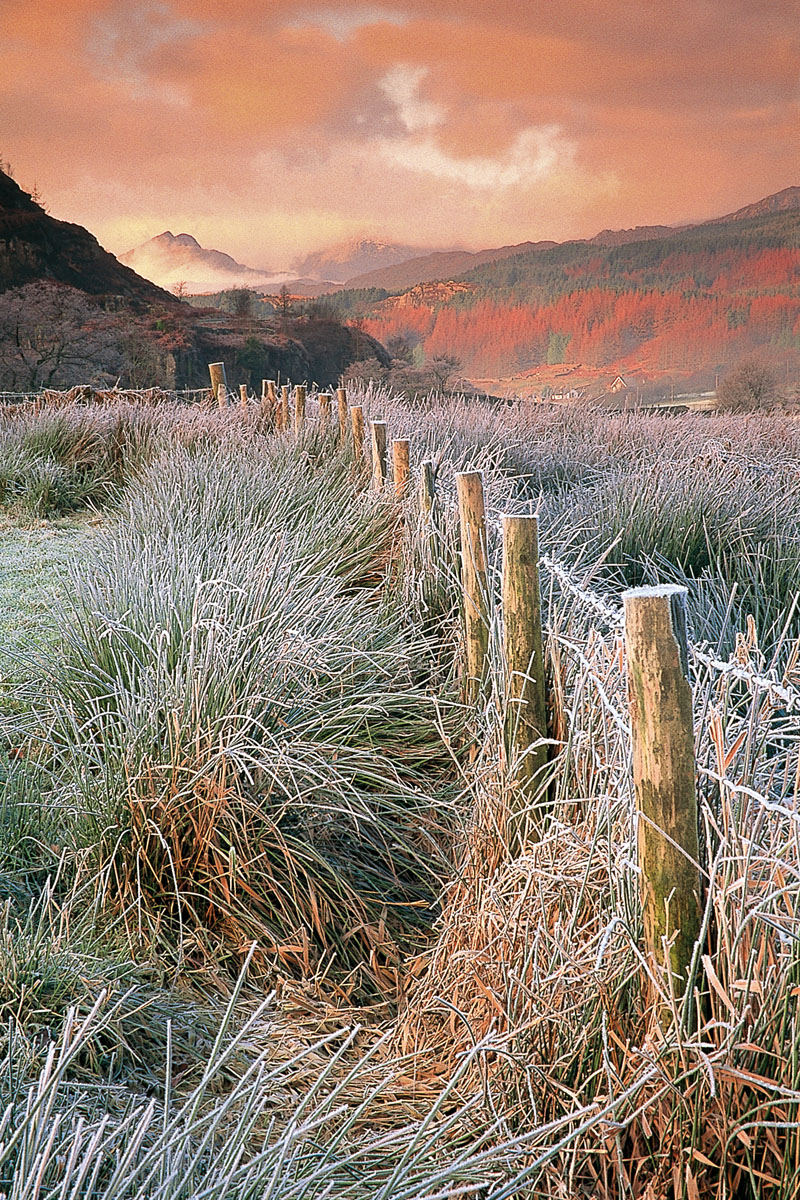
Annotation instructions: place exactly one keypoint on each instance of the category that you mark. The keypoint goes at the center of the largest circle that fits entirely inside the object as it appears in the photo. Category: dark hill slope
(34, 246)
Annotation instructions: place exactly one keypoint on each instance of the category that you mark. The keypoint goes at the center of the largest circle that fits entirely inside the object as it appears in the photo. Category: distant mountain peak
(167, 238)
(171, 258)
(353, 257)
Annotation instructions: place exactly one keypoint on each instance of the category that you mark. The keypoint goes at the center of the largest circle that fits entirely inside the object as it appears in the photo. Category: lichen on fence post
(341, 401)
(357, 423)
(283, 408)
(427, 489)
(219, 380)
(299, 408)
(660, 698)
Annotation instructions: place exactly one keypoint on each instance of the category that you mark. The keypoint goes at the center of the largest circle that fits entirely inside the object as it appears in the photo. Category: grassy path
(33, 564)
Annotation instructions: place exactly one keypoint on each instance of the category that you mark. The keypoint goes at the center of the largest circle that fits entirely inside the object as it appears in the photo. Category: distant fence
(84, 394)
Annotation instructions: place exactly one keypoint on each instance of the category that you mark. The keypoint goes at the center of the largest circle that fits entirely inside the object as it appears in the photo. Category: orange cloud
(267, 129)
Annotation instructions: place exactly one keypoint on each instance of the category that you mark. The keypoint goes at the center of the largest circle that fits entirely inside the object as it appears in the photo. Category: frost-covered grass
(34, 584)
(248, 730)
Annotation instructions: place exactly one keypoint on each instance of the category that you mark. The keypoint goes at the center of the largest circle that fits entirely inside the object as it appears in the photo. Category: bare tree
(238, 301)
(284, 307)
(52, 335)
(750, 385)
(442, 368)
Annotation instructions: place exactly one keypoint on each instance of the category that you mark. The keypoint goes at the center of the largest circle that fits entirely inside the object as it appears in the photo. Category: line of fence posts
(659, 691)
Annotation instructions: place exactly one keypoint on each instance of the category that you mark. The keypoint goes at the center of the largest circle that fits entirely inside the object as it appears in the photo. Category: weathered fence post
(379, 432)
(526, 713)
(269, 400)
(299, 408)
(243, 396)
(401, 466)
(218, 378)
(660, 699)
(427, 489)
(474, 579)
(283, 408)
(357, 421)
(325, 409)
(341, 400)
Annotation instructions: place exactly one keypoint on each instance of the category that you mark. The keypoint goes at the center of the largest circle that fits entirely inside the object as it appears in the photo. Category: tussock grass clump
(58, 460)
(730, 526)
(243, 717)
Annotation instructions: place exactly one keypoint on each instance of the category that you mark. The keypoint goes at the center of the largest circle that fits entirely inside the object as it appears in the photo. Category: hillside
(34, 246)
(687, 300)
(787, 200)
(442, 264)
(70, 312)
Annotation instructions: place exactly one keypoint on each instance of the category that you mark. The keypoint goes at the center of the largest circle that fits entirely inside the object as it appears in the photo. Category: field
(276, 921)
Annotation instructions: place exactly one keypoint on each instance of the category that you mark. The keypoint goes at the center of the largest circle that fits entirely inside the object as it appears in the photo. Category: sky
(270, 128)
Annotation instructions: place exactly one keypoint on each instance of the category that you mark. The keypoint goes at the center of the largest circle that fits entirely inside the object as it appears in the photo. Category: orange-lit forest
(686, 304)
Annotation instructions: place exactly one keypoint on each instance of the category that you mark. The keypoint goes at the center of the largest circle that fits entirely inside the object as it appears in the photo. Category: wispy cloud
(401, 85)
(344, 22)
(534, 154)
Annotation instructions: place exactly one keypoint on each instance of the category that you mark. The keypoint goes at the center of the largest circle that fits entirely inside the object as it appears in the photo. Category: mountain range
(655, 300)
(171, 260)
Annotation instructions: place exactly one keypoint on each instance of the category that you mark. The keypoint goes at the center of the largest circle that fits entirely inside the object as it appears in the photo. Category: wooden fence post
(379, 432)
(243, 396)
(283, 408)
(526, 712)
(474, 579)
(401, 466)
(269, 400)
(357, 421)
(299, 408)
(341, 400)
(218, 377)
(662, 731)
(427, 489)
(325, 409)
